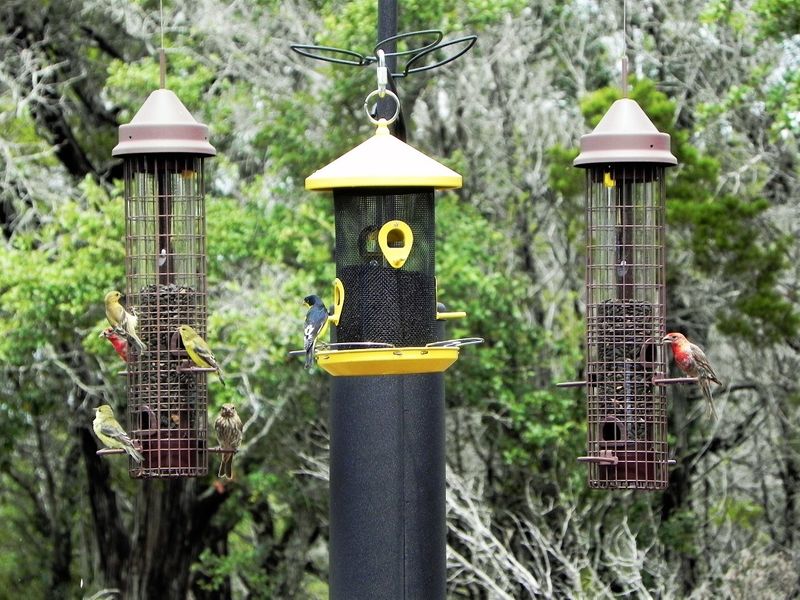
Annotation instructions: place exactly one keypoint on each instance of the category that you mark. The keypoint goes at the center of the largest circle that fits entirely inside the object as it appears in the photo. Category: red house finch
(691, 359)
(228, 426)
(120, 343)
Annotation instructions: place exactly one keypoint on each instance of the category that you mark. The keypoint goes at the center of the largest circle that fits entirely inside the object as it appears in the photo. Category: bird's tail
(226, 467)
(221, 378)
(705, 386)
(134, 454)
(310, 355)
(139, 343)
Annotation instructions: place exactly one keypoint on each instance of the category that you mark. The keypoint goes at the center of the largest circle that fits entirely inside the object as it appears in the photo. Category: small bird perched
(228, 426)
(120, 343)
(199, 351)
(315, 326)
(119, 317)
(691, 359)
(110, 432)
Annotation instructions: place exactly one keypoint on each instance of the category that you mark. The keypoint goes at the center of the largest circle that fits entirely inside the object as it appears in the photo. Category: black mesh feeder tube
(625, 159)
(163, 148)
(387, 466)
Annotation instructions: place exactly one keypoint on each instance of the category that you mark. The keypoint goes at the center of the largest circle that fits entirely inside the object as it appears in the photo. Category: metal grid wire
(625, 321)
(166, 286)
(381, 303)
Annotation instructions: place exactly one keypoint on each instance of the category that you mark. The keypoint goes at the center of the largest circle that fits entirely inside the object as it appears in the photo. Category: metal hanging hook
(383, 74)
(382, 91)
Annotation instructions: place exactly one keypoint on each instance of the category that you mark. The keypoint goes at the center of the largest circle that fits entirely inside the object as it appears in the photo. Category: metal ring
(386, 93)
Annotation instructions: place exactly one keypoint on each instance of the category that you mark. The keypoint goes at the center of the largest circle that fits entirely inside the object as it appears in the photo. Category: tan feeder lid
(625, 135)
(383, 161)
(163, 125)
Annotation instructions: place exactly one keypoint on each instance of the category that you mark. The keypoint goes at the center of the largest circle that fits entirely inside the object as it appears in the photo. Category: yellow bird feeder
(385, 306)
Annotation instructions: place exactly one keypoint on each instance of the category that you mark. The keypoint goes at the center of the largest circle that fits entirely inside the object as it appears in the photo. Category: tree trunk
(169, 522)
(113, 541)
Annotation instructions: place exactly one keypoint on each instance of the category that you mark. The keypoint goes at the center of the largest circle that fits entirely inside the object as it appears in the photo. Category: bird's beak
(666, 340)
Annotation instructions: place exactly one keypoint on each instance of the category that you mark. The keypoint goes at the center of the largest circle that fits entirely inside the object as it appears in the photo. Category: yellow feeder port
(395, 239)
(338, 301)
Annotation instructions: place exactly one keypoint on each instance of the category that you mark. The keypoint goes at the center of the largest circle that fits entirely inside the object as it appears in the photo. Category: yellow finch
(228, 426)
(119, 317)
(110, 432)
(199, 351)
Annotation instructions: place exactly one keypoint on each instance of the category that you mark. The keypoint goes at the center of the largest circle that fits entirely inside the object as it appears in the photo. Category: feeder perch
(163, 148)
(385, 289)
(625, 159)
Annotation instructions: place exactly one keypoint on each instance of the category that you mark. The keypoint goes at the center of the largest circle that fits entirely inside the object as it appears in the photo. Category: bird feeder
(163, 148)
(385, 306)
(625, 159)
(387, 434)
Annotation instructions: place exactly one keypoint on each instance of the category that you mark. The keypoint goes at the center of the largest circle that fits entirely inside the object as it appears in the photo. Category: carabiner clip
(383, 74)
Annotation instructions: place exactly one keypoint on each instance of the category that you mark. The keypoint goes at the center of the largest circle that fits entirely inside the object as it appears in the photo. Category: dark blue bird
(316, 325)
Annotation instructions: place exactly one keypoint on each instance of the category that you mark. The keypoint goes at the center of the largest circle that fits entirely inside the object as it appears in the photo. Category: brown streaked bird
(228, 426)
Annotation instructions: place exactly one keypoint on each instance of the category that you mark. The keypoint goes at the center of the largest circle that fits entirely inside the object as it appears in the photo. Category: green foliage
(52, 280)
(740, 513)
(728, 239)
(680, 531)
(518, 358)
(778, 17)
(127, 80)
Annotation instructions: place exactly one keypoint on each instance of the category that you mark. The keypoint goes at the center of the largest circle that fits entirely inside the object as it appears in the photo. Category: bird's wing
(315, 319)
(130, 320)
(115, 433)
(702, 362)
(204, 352)
(308, 335)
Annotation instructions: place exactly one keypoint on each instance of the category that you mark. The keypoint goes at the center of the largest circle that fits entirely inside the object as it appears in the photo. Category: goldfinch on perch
(111, 433)
(199, 351)
(119, 317)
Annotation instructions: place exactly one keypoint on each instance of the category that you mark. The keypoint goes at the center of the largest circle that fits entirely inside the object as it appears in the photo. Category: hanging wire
(342, 56)
(162, 57)
(625, 27)
(624, 48)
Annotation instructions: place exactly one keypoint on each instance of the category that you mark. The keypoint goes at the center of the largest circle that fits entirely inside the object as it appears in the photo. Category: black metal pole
(387, 27)
(387, 488)
(388, 529)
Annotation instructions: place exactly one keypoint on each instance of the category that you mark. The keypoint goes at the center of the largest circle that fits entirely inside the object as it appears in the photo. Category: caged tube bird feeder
(163, 149)
(625, 159)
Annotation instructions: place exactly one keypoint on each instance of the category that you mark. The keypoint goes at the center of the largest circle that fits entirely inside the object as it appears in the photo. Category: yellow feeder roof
(383, 161)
